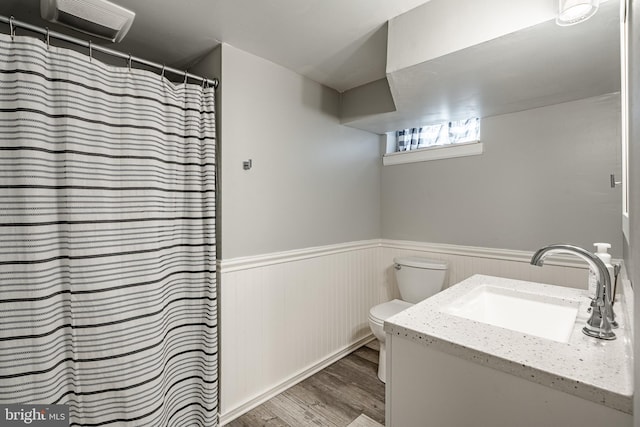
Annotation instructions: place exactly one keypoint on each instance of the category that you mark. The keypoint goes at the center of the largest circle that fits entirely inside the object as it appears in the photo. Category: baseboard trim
(306, 373)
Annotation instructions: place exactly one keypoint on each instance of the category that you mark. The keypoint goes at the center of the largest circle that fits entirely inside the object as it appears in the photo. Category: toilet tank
(419, 278)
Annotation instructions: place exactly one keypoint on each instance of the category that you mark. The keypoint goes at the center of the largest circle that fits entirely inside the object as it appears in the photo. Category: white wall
(465, 261)
(286, 315)
(313, 181)
(466, 23)
(543, 178)
(632, 253)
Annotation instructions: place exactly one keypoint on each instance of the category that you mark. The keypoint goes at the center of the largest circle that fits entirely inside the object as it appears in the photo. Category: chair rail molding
(262, 260)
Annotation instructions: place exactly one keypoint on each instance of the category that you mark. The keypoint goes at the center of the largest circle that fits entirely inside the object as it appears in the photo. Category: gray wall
(543, 178)
(313, 182)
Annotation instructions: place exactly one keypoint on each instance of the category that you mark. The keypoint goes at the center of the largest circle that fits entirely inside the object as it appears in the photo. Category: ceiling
(490, 58)
(537, 65)
(341, 44)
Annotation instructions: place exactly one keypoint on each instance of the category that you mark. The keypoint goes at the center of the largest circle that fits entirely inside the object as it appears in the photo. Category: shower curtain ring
(129, 62)
(12, 28)
(90, 51)
(162, 72)
(47, 28)
(185, 76)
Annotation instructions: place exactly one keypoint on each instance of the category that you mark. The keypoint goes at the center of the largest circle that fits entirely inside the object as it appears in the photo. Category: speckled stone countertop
(596, 370)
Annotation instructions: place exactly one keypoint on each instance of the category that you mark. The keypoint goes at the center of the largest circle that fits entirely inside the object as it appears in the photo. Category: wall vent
(99, 18)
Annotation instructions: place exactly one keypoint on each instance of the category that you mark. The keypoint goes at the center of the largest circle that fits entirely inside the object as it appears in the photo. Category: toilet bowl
(377, 316)
(418, 278)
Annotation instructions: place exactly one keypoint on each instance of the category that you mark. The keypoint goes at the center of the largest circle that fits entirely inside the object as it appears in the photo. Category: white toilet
(418, 278)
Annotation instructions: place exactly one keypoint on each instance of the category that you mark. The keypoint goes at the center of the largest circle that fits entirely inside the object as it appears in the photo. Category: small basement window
(434, 142)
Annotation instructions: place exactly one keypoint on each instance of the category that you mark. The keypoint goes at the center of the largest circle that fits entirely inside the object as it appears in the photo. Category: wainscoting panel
(283, 318)
(467, 261)
(286, 315)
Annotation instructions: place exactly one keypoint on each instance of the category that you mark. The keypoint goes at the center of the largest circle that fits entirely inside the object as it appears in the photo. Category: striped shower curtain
(107, 244)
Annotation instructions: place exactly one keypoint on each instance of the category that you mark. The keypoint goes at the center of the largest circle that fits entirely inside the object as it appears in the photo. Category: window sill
(433, 153)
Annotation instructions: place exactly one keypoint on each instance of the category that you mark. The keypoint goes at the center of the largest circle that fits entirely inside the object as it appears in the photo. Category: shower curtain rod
(89, 45)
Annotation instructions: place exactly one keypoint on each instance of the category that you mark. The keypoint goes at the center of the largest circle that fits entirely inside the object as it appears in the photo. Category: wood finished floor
(333, 397)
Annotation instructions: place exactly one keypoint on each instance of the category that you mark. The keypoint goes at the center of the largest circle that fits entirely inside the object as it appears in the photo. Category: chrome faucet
(600, 324)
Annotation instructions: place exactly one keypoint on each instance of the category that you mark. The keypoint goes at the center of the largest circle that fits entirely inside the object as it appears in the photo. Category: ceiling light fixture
(572, 12)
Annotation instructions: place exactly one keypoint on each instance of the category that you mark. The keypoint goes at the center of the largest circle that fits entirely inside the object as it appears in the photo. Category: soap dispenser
(605, 257)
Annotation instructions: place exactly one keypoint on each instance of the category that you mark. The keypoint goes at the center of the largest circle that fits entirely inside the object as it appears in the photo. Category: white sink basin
(533, 314)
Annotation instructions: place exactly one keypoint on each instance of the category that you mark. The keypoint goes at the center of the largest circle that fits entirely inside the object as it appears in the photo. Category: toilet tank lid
(419, 262)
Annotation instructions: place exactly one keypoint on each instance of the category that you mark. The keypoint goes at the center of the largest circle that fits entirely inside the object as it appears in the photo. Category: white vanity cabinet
(448, 371)
(427, 387)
